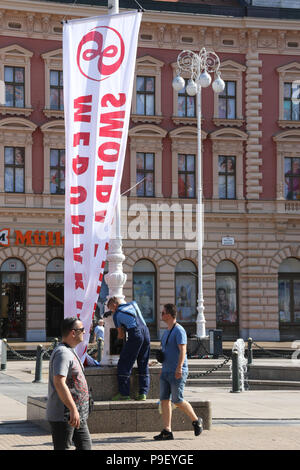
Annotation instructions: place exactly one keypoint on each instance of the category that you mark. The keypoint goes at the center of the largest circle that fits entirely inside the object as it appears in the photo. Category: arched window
(186, 291)
(13, 299)
(144, 290)
(54, 297)
(289, 298)
(226, 298)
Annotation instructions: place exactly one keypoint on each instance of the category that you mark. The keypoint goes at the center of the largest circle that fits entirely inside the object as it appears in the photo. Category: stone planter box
(122, 416)
(104, 382)
(129, 416)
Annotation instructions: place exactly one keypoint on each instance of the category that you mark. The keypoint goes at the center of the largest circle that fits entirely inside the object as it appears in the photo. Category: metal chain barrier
(209, 371)
(271, 353)
(46, 352)
(32, 358)
(20, 356)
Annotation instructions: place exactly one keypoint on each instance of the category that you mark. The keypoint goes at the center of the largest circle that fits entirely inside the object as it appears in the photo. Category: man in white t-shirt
(99, 330)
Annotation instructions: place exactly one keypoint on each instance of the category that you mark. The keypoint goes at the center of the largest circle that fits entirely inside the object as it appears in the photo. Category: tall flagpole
(113, 7)
(115, 278)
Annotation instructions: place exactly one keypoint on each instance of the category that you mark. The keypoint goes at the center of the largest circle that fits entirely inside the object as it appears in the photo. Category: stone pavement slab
(20, 436)
(268, 420)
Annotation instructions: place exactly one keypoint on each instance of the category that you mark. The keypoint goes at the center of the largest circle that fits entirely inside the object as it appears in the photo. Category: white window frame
(147, 136)
(228, 142)
(233, 72)
(287, 145)
(148, 66)
(287, 73)
(54, 138)
(16, 132)
(181, 119)
(16, 56)
(184, 141)
(53, 61)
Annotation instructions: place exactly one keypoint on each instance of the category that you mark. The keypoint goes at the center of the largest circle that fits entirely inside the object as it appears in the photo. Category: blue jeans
(170, 386)
(63, 434)
(136, 348)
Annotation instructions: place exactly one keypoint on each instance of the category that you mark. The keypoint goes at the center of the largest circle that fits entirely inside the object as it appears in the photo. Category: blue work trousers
(136, 348)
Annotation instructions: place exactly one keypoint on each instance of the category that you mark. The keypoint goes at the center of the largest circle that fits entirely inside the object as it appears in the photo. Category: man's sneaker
(141, 397)
(198, 426)
(164, 436)
(120, 397)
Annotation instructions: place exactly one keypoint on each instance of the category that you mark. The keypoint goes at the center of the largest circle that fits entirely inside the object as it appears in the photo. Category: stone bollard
(250, 351)
(235, 373)
(4, 354)
(38, 364)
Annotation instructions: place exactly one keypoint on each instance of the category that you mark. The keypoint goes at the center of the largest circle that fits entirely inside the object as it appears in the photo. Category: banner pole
(113, 7)
(115, 278)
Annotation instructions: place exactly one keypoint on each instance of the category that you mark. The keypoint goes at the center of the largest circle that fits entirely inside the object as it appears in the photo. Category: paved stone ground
(253, 420)
(25, 436)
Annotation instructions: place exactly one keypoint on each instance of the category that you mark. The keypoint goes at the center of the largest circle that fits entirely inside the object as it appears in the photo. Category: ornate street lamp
(199, 67)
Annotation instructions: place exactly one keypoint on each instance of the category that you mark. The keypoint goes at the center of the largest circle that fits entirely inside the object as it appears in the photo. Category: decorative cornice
(228, 122)
(15, 111)
(162, 29)
(53, 113)
(289, 124)
(146, 119)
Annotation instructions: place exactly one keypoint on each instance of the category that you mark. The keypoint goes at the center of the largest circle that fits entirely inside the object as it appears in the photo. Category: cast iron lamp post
(199, 67)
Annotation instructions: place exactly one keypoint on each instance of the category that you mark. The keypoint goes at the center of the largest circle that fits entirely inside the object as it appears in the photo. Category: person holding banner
(68, 394)
(128, 317)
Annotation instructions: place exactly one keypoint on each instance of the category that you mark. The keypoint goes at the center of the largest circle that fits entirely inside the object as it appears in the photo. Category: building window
(145, 174)
(291, 101)
(57, 171)
(54, 297)
(227, 101)
(292, 178)
(186, 291)
(228, 106)
(53, 84)
(226, 298)
(12, 299)
(14, 78)
(145, 95)
(56, 90)
(186, 104)
(227, 177)
(144, 289)
(186, 176)
(150, 137)
(14, 169)
(289, 298)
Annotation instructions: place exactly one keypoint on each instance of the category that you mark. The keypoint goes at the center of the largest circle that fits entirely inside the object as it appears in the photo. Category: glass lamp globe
(218, 85)
(191, 88)
(178, 83)
(204, 79)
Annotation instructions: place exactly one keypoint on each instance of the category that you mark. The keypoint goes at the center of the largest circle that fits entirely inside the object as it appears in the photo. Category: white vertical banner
(98, 65)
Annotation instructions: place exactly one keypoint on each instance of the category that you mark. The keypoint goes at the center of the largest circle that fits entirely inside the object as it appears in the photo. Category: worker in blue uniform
(128, 318)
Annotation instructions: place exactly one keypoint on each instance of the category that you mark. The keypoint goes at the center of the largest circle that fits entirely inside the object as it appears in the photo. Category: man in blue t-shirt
(174, 374)
(128, 318)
